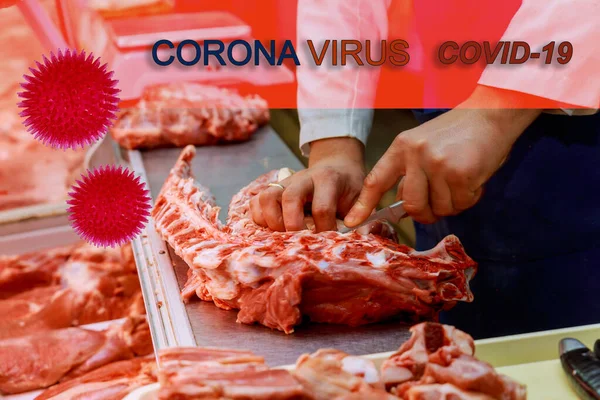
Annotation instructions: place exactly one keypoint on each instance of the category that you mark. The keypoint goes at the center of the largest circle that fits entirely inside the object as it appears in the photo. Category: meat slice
(274, 278)
(334, 375)
(204, 373)
(93, 285)
(19, 273)
(45, 358)
(110, 382)
(185, 113)
(438, 362)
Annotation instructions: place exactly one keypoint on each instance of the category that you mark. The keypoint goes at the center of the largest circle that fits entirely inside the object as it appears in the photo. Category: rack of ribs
(276, 278)
(186, 113)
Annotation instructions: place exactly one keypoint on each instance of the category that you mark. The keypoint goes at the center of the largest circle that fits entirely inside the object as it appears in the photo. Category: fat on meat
(276, 278)
(438, 362)
(110, 382)
(213, 373)
(42, 359)
(182, 114)
(331, 374)
(20, 273)
(92, 285)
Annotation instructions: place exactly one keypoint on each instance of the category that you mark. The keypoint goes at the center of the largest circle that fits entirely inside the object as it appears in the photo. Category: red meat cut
(69, 287)
(111, 382)
(45, 358)
(276, 278)
(438, 362)
(205, 373)
(332, 374)
(180, 114)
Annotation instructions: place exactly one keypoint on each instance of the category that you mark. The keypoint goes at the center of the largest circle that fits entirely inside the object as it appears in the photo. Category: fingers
(270, 204)
(415, 193)
(293, 199)
(440, 197)
(325, 197)
(382, 178)
(256, 211)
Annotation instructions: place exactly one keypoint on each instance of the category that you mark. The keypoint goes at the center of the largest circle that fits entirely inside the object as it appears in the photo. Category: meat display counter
(225, 170)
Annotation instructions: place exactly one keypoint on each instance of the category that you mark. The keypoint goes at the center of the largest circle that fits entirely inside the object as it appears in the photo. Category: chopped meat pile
(208, 373)
(189, 114)
(276, 278)
(67, 287)
(438, 362)
(110, 382)
(45, 358)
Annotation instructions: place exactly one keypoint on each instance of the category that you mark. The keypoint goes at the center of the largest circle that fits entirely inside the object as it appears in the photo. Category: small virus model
(109, 206)
(69, 101)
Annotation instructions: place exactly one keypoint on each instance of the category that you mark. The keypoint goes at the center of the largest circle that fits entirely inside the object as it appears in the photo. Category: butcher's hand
(444, 163)
(330, 185)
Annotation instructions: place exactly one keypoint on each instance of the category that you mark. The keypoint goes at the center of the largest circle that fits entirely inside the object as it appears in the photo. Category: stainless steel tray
(225, 170)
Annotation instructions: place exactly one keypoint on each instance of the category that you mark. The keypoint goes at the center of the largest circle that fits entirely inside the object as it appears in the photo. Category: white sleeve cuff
(330, 123)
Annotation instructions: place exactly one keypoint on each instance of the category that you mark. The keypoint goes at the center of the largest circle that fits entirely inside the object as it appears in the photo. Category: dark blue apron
(536, 231)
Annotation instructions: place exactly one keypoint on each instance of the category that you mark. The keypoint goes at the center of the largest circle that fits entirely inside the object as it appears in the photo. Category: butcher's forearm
(501, 110)
(348, 148)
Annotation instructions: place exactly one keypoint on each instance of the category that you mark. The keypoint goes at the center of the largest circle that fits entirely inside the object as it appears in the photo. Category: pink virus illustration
(109, 206)
(69, 101)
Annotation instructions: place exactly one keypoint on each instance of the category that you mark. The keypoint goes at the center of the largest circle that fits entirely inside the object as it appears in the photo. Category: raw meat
(45, 358)
(205, 373)
(274, 278)
(25, 272)
(93, 285)
(331, 374)
(111, 382)
(185, 113)
(30, 172)
(438, 362)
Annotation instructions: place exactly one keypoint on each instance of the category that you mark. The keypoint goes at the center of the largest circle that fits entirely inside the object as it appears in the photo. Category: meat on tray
(110, 382)
(276, 278)
(332, 374)
(42, 359)
(189, 114)
(209, 373)
(67, 287)
(21, 273)
(32, 173)
(436, 363)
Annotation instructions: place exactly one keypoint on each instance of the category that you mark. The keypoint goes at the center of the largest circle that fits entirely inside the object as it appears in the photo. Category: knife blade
(582, 367)
(392, 213)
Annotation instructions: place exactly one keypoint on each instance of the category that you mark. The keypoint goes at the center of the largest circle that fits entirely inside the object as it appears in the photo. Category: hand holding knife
(392, 213)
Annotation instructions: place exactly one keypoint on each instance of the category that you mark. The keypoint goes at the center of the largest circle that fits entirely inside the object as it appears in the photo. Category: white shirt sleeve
(539, 22)
(337, 101)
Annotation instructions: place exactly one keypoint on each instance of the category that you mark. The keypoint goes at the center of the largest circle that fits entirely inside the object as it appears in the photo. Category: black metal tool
(582, 367)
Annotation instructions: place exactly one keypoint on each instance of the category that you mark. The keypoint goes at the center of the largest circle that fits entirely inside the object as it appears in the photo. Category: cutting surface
(225, 170)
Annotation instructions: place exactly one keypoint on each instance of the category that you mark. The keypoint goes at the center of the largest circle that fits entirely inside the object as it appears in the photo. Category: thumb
(367, 200)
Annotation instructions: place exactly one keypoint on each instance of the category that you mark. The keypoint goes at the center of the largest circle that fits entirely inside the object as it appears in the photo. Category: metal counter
(225, 170)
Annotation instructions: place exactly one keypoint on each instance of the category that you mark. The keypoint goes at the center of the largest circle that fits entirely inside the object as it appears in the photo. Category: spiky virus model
(109, 206)
(69, 101)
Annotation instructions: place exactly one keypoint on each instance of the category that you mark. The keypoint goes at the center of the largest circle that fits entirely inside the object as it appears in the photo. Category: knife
(393, 213)
(582, 367)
